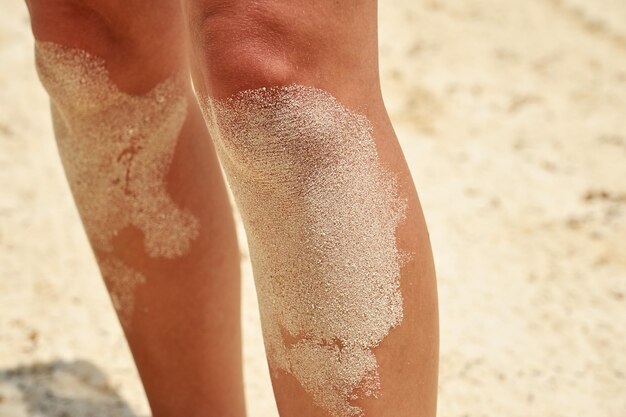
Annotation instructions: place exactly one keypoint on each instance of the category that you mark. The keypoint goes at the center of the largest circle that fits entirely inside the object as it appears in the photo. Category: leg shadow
(59, 389)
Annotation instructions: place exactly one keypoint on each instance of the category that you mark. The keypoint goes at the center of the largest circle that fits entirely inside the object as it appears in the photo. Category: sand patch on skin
(123, 280)
(116, 150)
(320, 214)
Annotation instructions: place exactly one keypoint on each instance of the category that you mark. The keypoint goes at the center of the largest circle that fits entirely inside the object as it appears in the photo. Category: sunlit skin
(185, 332)
(240, 45)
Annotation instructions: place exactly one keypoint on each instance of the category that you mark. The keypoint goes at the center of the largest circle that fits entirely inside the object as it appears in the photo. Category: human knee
(134, 57)
(238, 47)
(72, 24)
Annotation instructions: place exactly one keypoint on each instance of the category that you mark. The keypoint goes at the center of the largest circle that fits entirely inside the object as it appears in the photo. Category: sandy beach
(512, 116)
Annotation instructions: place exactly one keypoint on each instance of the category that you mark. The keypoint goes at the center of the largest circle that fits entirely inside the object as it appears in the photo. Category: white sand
(512, 116)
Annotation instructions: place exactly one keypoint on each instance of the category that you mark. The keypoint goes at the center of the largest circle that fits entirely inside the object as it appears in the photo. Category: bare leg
(339, 247)
(149, 190)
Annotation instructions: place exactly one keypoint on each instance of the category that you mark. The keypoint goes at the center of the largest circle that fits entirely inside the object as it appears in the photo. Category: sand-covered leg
(147, 185)
(340, 252)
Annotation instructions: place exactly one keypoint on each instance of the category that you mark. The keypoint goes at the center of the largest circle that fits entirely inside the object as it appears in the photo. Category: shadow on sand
(59, 389)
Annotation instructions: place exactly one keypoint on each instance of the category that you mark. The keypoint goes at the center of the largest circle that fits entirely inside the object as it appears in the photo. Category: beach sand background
(512, 116)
